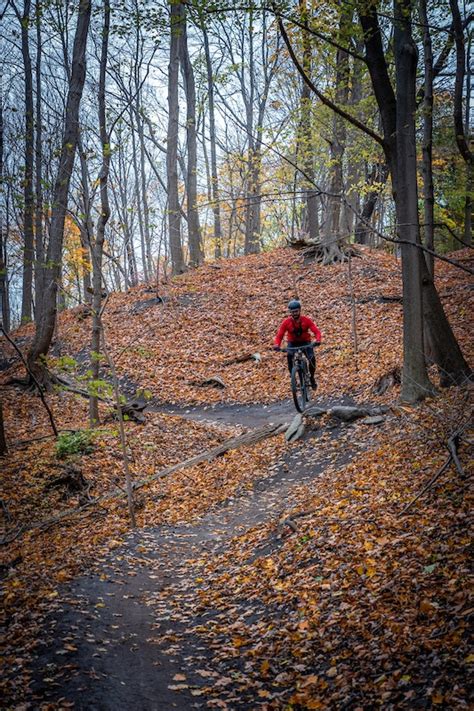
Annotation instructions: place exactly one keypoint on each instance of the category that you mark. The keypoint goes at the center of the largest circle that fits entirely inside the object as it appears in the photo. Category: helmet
(294, 304)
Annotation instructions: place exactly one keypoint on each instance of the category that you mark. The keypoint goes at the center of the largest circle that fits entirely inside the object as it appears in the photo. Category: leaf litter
(351, 605)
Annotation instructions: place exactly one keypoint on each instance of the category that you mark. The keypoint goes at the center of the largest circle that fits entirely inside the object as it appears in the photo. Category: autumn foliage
(356, 603)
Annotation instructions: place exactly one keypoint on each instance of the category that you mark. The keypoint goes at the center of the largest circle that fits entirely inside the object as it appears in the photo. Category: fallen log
(248, 438)
(242, 359)
(214, 382)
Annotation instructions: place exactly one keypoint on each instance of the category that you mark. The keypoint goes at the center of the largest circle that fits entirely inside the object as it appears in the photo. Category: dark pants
(309, 352)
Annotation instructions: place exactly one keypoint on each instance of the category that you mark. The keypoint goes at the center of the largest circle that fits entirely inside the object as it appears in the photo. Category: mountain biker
(297, 329)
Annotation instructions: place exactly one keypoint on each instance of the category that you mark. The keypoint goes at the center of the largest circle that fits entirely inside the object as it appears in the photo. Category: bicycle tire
(298, 388)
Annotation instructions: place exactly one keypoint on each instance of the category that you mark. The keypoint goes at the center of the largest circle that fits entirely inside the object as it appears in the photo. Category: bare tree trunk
(305, 147)
(130, 262)
(138, 197)
(28, 197)
(98, 245)
(377, 178)
(85, 225)
(415, 382)
(469, 202)
(427, 144)
(461, 131)
(47, 317)
(4, 307)
(144, 193)
(252, 213)
(39, 232)
(355, 169)
(174, 214)
(194, 229)
(331, 239)
(3, 441)
(218, 250)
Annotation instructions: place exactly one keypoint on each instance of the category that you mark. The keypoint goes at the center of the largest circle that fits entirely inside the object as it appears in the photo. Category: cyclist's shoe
(313, 383)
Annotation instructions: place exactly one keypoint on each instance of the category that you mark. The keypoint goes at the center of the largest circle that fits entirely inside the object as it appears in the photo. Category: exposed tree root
(333, 252)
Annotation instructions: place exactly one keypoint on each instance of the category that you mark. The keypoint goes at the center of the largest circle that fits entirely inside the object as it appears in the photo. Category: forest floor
(280, 575)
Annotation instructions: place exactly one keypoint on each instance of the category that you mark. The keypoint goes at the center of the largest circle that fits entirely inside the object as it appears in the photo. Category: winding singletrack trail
(115, 642)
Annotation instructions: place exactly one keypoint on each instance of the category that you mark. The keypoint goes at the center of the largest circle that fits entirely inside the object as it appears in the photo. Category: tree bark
(85, 224)
(144, 193)
(415, 383)
(98, 246)
(174, 214)
(138, 194)
(461, 132)
(305, 142)
(3, 441)
(39, 232)
(194, 229)
(4, 307)
(377, 178)
(47, 317)
(218, 249)
(427, 143)
(28, 196)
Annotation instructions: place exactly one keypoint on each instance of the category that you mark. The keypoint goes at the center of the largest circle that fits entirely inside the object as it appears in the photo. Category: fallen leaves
(353, 607)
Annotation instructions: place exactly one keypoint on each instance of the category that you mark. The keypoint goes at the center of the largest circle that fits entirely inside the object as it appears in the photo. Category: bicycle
(300, 377)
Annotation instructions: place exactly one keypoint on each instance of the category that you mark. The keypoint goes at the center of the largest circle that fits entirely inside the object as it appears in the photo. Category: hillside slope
(353, 602)
(222, 310)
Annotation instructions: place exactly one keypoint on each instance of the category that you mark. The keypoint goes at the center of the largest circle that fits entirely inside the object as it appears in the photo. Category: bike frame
(300, 382)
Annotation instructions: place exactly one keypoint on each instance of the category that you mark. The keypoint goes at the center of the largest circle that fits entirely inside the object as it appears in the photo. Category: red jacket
(297, 331)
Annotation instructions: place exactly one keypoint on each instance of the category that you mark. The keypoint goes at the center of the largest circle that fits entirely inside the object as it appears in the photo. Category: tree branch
(327, 102)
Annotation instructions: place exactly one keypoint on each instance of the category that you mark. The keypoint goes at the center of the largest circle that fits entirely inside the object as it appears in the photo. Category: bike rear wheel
(299, 388)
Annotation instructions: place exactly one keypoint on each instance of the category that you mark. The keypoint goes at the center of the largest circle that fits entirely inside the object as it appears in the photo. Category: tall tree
(415, 382)
(216, 208)
(52, 269)
(461, 129)
(444, 346)
(98, 244)
(194, 229)
(39, 232)
(305, 138)
(331, 239)
(427, 142)
(174, 213)
(28, 194)
(4, 306)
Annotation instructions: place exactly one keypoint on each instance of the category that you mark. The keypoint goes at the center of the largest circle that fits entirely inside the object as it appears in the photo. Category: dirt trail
(101, 650)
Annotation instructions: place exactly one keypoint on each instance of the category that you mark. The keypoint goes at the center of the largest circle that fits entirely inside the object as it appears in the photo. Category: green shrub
(71, 443)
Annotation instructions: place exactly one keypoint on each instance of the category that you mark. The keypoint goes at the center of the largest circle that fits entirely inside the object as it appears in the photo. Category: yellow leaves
(367, 569)
(239, 641)
(437, 698)
(427, 607)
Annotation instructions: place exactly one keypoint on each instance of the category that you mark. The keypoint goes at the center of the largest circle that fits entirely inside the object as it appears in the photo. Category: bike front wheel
(299, 388)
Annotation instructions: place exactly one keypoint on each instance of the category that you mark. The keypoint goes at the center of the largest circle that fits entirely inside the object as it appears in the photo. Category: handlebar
(292, 349)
